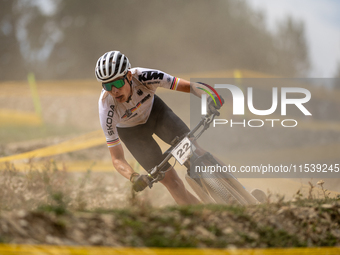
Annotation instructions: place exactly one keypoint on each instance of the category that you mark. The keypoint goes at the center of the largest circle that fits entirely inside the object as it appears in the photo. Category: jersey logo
(150, 75)
(145, 99)
(129, 112)
(139, 92)
(109, 126)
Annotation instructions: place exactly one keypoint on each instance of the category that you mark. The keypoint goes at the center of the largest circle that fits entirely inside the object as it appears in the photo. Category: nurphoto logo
(239, 105)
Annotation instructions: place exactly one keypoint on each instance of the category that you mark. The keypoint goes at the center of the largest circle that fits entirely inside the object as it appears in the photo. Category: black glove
(140, 182)
(212, 107)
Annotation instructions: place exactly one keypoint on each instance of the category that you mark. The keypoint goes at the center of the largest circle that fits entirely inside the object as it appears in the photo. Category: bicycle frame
(156, 174)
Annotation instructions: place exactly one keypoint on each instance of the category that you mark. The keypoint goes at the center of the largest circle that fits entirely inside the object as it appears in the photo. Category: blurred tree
(27, 39)
(292, 55)
(175, 36)
(12, 64)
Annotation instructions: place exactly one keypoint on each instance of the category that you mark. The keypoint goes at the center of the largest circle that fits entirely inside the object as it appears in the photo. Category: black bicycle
(211, 187)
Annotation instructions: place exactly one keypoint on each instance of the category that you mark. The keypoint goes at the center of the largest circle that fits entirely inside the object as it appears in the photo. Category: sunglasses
(117, 84)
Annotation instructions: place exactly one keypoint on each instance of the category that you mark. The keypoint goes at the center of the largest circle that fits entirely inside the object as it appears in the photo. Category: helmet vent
(111, 65)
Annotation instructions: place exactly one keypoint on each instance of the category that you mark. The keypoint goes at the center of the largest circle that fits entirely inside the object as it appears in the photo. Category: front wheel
(223, 188)
(227, 190)
(199, 190)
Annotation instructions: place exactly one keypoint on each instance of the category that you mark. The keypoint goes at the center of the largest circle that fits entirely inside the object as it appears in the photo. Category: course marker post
(35, 95)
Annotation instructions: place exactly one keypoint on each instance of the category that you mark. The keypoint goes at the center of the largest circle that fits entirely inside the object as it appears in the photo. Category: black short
(164, 123)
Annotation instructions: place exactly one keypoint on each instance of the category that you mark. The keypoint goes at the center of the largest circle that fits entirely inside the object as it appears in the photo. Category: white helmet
(111, 65)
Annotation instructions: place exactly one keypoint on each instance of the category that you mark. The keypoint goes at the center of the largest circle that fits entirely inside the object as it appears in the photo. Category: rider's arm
(119, 162)
(153, 79)
(197, 90)
(190, 87)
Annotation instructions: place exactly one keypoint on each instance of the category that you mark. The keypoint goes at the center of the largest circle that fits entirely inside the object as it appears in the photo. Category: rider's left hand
(140, 183)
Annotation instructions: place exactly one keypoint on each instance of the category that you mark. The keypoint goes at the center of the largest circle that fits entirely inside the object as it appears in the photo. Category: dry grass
(50, 187)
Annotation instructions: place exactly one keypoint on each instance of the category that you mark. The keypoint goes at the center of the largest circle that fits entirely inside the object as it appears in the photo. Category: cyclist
(130, 112)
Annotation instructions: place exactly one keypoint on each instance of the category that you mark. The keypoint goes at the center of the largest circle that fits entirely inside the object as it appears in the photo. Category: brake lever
(159, 176)
(150, 184)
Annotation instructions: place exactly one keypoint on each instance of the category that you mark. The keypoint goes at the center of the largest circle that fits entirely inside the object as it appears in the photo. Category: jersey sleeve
(108, 117)
(153, 79)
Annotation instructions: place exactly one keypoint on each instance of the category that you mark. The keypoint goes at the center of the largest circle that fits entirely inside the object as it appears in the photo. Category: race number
(182, 151)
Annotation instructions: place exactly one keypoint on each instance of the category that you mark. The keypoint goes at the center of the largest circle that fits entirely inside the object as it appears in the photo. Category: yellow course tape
(70, 166)
(6, 249)
(13, 118)
(89, 140)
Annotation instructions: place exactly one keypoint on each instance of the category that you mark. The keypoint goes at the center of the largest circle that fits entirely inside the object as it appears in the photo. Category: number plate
(182, 151)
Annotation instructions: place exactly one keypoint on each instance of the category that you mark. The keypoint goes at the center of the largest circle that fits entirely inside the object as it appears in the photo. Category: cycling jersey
(113, 114)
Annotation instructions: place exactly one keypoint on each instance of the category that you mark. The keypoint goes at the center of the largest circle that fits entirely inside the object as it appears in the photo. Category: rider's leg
(167, 126)
(177, 189)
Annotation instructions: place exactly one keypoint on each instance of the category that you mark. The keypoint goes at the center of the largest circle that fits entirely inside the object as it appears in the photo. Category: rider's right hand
(140, 182)
(212, 107)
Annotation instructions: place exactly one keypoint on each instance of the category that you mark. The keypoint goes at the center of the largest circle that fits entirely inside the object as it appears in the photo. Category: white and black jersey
(113, 114)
